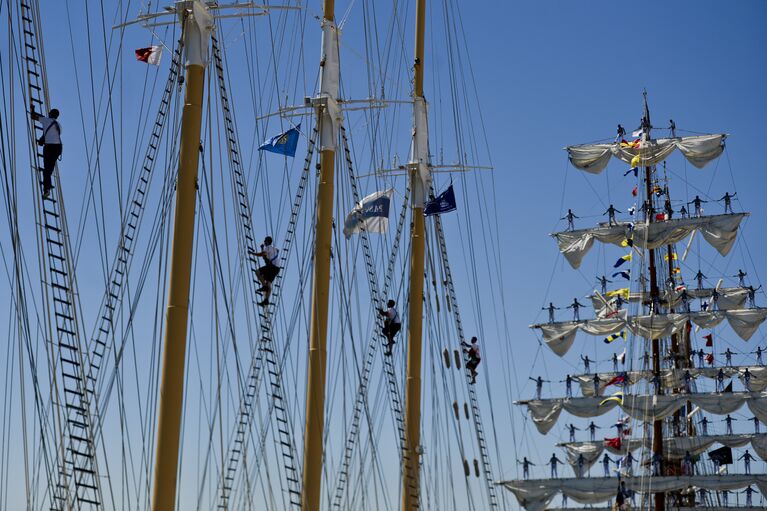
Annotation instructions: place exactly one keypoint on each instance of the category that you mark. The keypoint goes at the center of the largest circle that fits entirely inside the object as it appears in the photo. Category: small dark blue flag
(284, 143)
(443, 203)
(635, 170)
(625, 274)
(622, 260)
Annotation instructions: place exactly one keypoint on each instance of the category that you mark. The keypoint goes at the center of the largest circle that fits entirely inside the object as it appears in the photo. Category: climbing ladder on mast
(267, 348)
(360, 403)
(479, 429)
(77, 481)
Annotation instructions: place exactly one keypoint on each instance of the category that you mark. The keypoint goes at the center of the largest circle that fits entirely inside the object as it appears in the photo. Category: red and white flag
(150, 55)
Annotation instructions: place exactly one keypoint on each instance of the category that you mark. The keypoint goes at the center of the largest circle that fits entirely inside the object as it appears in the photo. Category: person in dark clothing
(472, 350)
(603, 281)
(668, 209)
(575, 306)
(268, 272)
(741, 277)
(697, 202)
(551, 310)
(611, 214)
(570, 217)
(727, 198)
(51, 142)
(392, 324)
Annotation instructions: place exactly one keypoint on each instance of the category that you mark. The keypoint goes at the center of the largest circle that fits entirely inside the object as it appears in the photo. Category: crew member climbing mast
(51, 142)
(392, 324)
(472, 350)
(268, 272)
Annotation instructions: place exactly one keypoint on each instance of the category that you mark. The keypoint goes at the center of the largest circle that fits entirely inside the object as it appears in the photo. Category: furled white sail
(699, 150)
(718, 230)
(729, 298)
(645, 408)
(559, 336)
(673, 448)
(674, 378)
(702, 149)
(534, 494)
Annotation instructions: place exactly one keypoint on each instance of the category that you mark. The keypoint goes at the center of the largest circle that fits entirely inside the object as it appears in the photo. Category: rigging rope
(479, 430)
(370, 351)
(267, 347)
(78, 482)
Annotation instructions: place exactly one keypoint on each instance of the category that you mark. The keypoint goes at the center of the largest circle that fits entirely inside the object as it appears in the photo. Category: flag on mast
(614, 337)
(617, 380)
(284, 143)
(371, 214)
(151, 55)
(622, 260)
(442, 203)
(617, 397)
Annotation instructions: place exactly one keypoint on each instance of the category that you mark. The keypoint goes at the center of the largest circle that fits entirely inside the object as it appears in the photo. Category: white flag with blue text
(371, 215)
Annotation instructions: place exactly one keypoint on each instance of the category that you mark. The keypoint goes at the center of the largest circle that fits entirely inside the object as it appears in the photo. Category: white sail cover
(729, 298)
(699, 150)
(534, 494)
(718, 230)
(673, 448)
(559, 336)
(645, 408)
(671, 378)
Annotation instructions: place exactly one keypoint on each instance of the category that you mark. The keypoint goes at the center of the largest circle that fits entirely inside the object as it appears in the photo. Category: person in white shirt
(392, 324)
(472, 350)
(51, 142)
(268, 272)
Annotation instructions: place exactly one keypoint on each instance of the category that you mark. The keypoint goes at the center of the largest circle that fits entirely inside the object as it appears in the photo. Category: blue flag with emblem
(442, 203)
(371, 214)
(284, 143)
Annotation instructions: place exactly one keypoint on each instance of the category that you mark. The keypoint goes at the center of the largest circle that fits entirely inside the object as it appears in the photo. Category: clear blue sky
(548, 74)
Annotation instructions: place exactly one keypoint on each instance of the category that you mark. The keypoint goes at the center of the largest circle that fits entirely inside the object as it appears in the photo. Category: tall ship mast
(673, 375)
(255, 299)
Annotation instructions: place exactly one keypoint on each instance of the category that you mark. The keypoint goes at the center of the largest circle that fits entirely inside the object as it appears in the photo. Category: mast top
(199, 21)
(645, 125)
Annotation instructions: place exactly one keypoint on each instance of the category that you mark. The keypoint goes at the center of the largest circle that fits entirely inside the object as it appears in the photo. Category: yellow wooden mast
(327, 118)
(419, 186)
(197, 24)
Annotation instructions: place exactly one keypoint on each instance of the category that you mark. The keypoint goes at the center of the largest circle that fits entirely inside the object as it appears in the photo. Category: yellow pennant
(617, 397)
(623, 293)
(636, 160)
